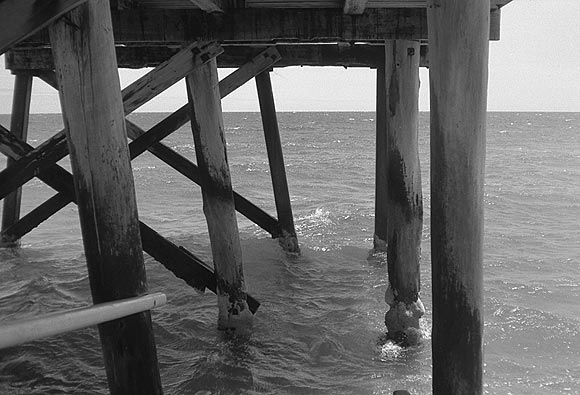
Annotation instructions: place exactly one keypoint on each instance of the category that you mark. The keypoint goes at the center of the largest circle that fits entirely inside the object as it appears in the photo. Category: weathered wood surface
(139, 56)
(381, 179)
(167, 74)
(23, 170)
(288, 238)
(257, 25)
(404, 196)
(218, 200)
(21, 18)
(261, 62)
(458, 32)
(84, 52)
(355, 7)
(19, 128)
(35, 217)
(184, 264)
(55, 176)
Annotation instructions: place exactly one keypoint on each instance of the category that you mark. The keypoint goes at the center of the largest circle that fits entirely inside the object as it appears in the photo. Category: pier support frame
(19, 128)
(218, 200)
(85, 63)
(288, 239)
(458, 50)
(404, 199)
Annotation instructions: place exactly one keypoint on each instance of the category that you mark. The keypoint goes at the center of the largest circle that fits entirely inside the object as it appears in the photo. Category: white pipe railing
(65, 321)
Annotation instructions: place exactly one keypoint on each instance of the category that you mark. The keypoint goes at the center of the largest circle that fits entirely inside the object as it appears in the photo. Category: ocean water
(320, 327)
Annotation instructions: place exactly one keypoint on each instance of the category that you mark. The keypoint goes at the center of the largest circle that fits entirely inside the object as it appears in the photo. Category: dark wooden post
(458, 51)
(288, 239)
(404, 196)
(19, 128)
(381, 180)
(218, 200)
(86, 68)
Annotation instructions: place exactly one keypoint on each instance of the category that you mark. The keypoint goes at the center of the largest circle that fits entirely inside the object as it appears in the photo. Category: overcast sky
(534, 67)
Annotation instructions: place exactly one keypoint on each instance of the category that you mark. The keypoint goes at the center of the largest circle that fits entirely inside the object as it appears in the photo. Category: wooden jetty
(76, 46)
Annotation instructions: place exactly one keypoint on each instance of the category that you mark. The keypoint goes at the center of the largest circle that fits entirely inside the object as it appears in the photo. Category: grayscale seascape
(320, 327)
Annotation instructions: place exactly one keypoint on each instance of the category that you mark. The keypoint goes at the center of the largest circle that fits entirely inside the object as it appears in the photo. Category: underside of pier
(77, 46)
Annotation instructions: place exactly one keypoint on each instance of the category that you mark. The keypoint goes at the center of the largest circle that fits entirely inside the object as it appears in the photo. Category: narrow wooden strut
(288, 239)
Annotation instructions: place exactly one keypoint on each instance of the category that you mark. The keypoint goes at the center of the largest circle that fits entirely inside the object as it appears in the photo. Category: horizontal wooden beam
(263, 25)
(140, 56)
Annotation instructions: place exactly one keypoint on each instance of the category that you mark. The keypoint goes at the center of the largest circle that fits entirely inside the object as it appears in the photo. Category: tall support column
(404, 196)
(381, 179)
(86, 68)
(218, 201)
(458, 51)
(288, 239)
(19, 128)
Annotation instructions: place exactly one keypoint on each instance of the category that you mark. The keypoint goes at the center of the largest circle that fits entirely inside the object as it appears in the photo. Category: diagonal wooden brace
(191, 270)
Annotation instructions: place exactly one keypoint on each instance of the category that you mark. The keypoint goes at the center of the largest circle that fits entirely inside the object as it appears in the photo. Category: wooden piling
(381, 180)
(19, 128)
(458, 50)
(218, 202)
(404, 196)
(85, 64)
(288, 239)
